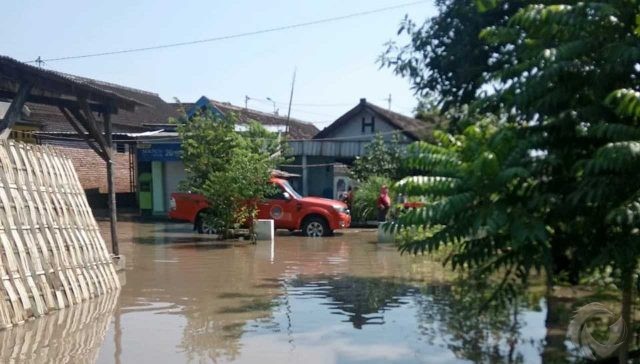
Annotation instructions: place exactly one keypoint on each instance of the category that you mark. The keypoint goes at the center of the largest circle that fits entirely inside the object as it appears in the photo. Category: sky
(336, 62)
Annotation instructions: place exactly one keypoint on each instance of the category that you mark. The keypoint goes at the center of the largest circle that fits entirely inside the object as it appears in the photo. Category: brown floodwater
(341, 299)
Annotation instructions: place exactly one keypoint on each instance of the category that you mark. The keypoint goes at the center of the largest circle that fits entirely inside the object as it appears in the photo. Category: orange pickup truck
(314, 216)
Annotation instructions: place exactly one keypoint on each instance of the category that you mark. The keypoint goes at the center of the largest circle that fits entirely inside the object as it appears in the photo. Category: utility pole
(246, 102)
(293, 83)
(389, 101)
(39, 62)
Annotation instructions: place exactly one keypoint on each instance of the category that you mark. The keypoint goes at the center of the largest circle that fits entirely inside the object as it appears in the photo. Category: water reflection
(74, 334)
(474, 331)
(362, 299)
(340, 299)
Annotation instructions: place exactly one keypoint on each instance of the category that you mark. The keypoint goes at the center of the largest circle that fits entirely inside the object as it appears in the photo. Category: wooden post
(13, 113)
(112, 192)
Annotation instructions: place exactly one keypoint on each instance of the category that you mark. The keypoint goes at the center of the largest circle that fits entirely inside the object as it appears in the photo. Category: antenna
(293, 83)
(39, 62)
(389, 101)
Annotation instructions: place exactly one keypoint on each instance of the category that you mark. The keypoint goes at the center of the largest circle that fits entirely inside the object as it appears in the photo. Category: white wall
(173, 174)
(353, 128)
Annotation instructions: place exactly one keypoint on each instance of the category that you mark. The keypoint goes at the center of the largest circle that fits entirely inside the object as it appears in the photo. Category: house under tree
(320, 161)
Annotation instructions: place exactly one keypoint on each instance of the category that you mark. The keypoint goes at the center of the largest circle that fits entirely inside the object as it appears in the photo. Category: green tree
(230, 168)
(478, 206)
(568, 86)
(576, 76)
(445, 60)
(381, 158)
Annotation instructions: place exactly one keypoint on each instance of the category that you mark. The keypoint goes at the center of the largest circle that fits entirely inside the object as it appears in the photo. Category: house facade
(321, 161)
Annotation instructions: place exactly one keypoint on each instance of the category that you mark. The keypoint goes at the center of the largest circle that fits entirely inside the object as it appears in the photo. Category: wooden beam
(53, 101)
(86, 110)
(91, 128)
(112, 192)
(83, 134)
(15, 109)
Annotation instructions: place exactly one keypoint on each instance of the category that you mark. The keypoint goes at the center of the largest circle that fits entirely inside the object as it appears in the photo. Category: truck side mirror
(287, 196)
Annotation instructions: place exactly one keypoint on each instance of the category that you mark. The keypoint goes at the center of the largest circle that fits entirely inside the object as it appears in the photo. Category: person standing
(384, 203)
(349, 198)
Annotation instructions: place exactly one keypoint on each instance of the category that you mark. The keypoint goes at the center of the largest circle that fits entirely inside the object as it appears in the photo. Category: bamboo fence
(51, 252)
(72, 335)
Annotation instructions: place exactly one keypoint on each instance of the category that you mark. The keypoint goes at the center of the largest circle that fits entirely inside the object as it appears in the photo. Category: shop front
(160, 170)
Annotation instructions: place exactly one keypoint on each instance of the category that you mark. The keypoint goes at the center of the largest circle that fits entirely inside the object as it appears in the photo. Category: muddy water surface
(342, 299)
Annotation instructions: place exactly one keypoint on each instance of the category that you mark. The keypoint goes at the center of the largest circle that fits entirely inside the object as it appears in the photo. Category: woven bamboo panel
(51, 252)
(73, 335)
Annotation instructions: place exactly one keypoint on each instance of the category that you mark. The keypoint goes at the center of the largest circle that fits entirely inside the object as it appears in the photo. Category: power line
(238, 35)
(307, 104)
(295, 106)
(311, 112)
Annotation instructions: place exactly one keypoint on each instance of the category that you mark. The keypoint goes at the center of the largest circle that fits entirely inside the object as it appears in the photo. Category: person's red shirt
(384, 201)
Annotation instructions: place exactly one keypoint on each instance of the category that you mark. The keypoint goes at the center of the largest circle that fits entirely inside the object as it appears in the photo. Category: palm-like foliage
(478, 204)
(574, 89)
(566, 192)
(576, 76)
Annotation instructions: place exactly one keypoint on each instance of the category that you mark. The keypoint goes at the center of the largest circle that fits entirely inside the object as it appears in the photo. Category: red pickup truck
(314, 216)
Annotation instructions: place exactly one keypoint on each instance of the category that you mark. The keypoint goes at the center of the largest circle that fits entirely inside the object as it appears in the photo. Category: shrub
(366, 197)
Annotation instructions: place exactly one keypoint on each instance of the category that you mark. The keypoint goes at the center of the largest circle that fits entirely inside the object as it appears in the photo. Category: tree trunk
(554, 348)
(627, 297)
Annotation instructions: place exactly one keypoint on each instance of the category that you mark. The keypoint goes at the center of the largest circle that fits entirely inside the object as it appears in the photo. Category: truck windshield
(292, 192)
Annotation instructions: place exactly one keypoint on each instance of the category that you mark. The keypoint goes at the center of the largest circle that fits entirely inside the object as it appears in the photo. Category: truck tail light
(172, 203)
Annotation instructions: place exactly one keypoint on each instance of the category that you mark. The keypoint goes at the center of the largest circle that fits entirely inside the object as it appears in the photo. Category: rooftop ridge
(108, 84)
(390, 111)
(240, 108)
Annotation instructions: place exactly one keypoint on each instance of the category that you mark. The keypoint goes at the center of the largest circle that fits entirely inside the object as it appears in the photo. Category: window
(121, 148)
(371, 125)
(277, 194)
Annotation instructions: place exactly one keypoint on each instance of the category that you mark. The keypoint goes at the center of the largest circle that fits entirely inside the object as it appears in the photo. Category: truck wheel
(204, 228)
(315, 226)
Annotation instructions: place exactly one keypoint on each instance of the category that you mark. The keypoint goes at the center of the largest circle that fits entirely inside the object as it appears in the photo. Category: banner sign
(164, 152)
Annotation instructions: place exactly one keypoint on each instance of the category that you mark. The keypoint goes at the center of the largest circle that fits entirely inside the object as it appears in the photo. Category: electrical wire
(233, 36)
(300, 104)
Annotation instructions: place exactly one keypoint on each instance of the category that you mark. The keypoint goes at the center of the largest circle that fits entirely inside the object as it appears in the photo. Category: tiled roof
(48, 118)
(413, 128)
(49, 81)
(298, 129)
(155, 110)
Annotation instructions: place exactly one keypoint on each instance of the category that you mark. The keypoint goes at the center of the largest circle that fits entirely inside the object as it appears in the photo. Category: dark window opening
(371, 125)
(276, 194)
(121, 148)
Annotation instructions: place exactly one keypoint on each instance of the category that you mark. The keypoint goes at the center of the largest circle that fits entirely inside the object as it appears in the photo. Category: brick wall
(92, 170)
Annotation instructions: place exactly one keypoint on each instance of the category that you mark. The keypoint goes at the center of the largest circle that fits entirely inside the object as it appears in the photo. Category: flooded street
(342, 299)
